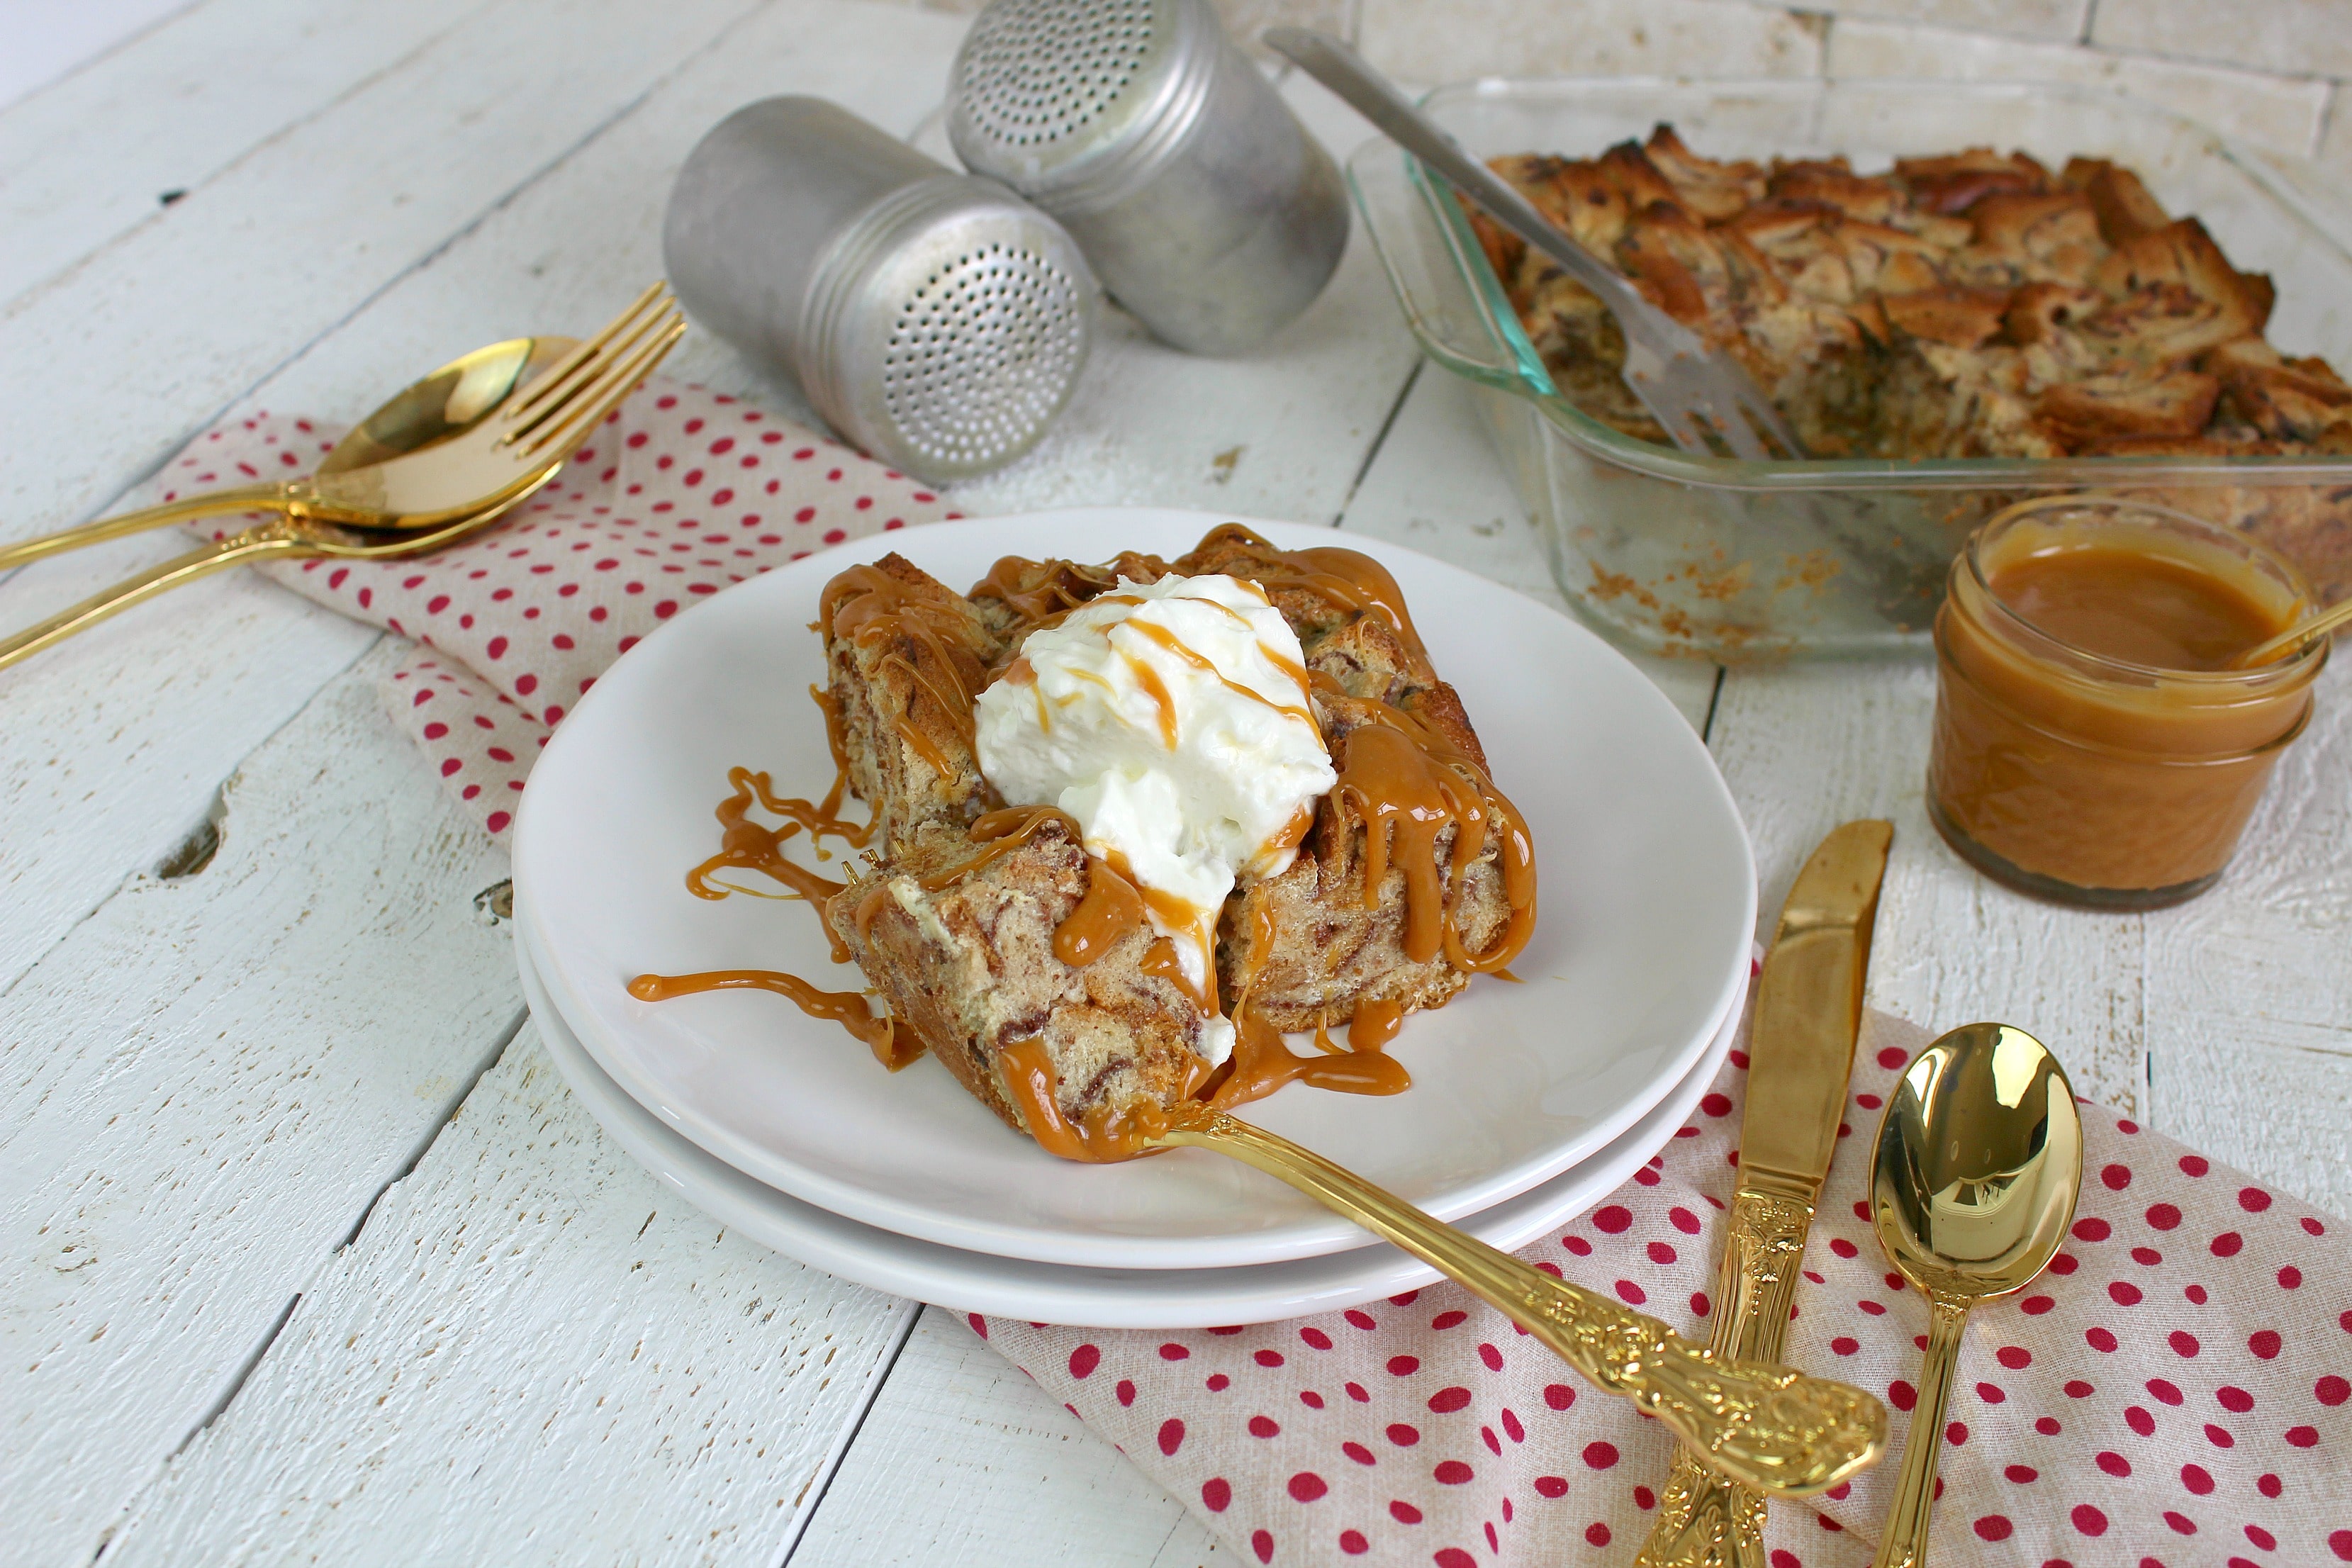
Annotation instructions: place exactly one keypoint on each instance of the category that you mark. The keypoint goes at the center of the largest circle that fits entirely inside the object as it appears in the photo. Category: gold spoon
(448, 457)
(406, 466)
(1778, 1430)
(2295, 636)
(1978, 1163)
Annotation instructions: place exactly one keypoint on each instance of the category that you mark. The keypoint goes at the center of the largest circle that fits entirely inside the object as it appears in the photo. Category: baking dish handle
(1452, 301)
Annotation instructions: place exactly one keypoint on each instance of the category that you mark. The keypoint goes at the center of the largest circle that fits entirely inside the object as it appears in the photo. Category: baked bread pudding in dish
(1130, 823)
(1974, 305)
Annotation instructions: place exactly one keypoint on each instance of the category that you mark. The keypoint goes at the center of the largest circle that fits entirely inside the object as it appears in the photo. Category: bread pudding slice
(905, 655)
(1396, 925)
(958, 929)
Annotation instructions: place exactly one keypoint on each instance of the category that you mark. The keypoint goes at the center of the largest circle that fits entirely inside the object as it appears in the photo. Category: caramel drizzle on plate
(892, 1041)
(745, 846)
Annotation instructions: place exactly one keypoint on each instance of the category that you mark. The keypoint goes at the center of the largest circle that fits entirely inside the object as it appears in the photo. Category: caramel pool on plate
(2091, 745)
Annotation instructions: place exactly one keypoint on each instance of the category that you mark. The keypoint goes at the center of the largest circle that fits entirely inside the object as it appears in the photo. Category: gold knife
(1807, 1012)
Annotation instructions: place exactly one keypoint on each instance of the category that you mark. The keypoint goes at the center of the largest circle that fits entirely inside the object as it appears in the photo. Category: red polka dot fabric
(681, 493)
(2177, 1390)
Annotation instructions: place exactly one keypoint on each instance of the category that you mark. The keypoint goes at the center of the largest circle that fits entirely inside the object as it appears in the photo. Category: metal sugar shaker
(935, 320)
(1204, 206)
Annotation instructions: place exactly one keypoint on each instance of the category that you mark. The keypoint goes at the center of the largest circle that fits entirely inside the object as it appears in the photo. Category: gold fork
(420, 501)
(1774, 1429)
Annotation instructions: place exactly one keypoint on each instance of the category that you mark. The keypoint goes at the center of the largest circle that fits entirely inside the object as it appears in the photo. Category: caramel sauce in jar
(2091, 745)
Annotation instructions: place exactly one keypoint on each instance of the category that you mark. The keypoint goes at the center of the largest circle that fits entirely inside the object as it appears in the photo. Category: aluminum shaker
(1203, 205)
(935, 320)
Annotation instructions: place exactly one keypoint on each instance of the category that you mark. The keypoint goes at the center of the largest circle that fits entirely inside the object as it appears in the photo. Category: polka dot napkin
(2173, 1392)
(682, 492)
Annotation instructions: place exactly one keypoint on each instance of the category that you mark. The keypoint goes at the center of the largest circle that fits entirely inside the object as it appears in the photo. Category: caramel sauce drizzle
(1193, 657)
(1374, 1026)
(1025, 1072)
(999, 833)
(893, 1042)
(1263, 1063)
(867, 606)
(1109, 908)
(745, 846)
(1157, 690)
(1041, 591)
(1404, 780)
(1348, 578)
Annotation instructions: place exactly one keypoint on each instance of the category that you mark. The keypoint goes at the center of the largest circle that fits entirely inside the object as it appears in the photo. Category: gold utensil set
(1978, 1165)
(1979, 1160)
(448, 457)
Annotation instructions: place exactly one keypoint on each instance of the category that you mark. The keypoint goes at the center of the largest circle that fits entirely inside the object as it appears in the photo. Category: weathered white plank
(962, 1459)
(207, 1084)
(1437, 485)
(2250, 987)
(577, 242)
(202, 307)
(533, 1352)
(92, 155)
(115, 743)
(1809, 747)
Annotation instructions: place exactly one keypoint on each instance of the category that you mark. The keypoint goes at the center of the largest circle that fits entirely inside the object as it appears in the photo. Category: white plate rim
(1077, 1294)
(1304, 1238)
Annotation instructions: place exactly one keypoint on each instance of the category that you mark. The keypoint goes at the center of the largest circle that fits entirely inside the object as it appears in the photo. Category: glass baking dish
(1721, 558)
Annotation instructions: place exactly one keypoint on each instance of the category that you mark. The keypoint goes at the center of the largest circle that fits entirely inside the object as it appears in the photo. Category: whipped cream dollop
(1172, 721)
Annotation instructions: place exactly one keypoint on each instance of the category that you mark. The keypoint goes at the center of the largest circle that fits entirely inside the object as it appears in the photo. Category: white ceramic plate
(1066, 1293)
(1648, 906)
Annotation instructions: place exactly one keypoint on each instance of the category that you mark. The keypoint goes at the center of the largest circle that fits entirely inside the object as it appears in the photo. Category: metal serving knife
(1807, 1012)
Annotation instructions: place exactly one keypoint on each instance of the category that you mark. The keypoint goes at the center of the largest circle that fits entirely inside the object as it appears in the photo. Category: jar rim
(1950, 668)
(2303, 661)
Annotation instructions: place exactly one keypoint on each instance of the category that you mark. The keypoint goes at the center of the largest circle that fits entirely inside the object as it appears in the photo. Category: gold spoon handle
(1905, 1545)
(2295, 636)
(254, 544)
(212, 503)
(1775, 1429)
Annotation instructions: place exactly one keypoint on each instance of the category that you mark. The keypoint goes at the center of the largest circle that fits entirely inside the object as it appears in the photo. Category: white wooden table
(307, 1252)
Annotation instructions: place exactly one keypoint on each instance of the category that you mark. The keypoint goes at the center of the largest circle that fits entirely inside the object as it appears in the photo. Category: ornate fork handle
(1778, 1430)
(1706, 1521)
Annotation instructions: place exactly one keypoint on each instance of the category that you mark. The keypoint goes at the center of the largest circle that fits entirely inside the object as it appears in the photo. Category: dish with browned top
(1978, 304)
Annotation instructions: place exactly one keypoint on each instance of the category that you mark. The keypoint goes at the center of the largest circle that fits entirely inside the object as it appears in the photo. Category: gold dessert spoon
(1778, 1430)
(1978, 1163)
(448, 457)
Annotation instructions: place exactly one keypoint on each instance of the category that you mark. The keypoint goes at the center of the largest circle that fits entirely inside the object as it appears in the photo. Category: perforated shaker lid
(1047, 94)
(950, 334)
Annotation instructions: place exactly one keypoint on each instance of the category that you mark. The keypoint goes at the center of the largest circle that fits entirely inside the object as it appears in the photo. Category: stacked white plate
(1529, 1100)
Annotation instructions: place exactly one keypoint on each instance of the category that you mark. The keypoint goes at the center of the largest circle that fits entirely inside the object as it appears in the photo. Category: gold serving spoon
(1978, 1163)
(448, 457)
(1778, 1430)
(2319, 625)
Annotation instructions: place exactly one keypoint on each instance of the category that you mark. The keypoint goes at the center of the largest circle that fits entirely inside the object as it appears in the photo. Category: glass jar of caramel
(2093, 744)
